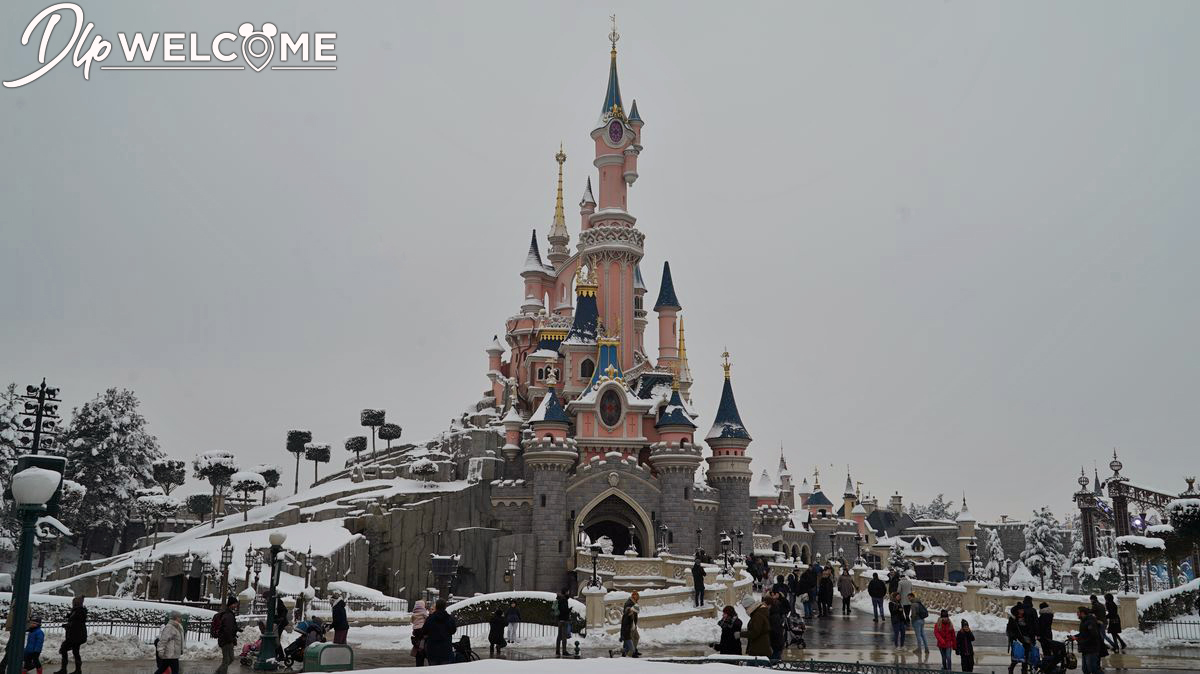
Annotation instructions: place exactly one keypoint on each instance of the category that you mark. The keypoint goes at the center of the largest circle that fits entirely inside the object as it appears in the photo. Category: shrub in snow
(896, 558)
(217, 468)
(535, 607)
(389, 432)
(110, 453)
(169, 473)
(423, 468)
(356, 444)
(53, 610)
(1185, 518)
(200, 505)
(154, 506)
(1168, 604)
(247, 482)
(296, 440)
(372, 419)
(1099, 575)
(318, 453)
(270, 474)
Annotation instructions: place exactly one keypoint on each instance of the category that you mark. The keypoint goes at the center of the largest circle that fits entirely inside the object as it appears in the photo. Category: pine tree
(154, 506)
(110, 454)
(356, 444)
(896, 558)
(937, 509)
(169, 474)
(1043, 544)
(215, 467)
(271, 475)
(390, 432)
(10, 407)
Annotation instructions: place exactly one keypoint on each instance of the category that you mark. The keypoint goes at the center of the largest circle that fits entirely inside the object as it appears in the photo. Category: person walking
(777, 618)
(513, 616)
(628, 626)
(846, 588)
(227, 633)
(893, 582)
(1090, 641)
(825, 593)
(1114, 624)
(1018, 637)
(419, 614)
(918, 614)
(1101, 613)
(947, 639)
(793, 583)
(731, 629)
(439, 629)
(964, 645)
(698, 583)
(899, 620)
(341, 624)
(496, 626)
(904, 587)
(877, 591)
(562, 612)
(34, 640)
(758, 632)
(75, 635)
(805, 589)
(169, 647)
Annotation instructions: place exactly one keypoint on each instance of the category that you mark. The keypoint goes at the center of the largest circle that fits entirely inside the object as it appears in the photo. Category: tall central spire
(612, 97)
(559, 238)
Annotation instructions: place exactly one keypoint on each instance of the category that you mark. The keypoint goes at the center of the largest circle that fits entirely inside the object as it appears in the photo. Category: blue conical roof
(728, 423)
(551, 410)
(673, 414)
(612, 97)
(633, 113)
(583, 327)
(666, 291)
(609, 356)
(533, 259)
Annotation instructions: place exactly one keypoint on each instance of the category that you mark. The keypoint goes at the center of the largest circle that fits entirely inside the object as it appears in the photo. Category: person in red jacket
(946, 638)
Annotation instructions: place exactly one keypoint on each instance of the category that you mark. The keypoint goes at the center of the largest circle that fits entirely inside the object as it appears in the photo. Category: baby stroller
(462, 650)
(795, 627)
(1057, 658)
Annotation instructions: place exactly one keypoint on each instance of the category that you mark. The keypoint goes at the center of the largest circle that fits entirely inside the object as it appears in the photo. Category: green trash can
(325, 657)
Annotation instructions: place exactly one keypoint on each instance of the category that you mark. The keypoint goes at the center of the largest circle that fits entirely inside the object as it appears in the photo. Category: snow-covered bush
(535, 607)
(247, 482)
(53, 610)
(154, 506)
(423, 468)
(390, 432)
(318, 453)
(270, 474)
(1099, 575)
(358, 445)
(1185, 518)
(217, 467)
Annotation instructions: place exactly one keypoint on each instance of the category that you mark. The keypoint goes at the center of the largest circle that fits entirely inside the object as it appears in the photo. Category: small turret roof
(666, 291)
(764, 487)
(513, 416)
(858, 509)
(587, 194)
(849, 486)
(638, 282)
(728, 423)
(612, 94)
(533, 259)
(674, 413)
(819, 499)
(633, 112)
(550, 411)
(804, 488)
(965, 515)
(495, 346)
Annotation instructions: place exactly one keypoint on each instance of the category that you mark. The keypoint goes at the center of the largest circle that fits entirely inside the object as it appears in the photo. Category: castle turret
(683, 372)
(639, 311)
(787, 490)
(549, 458)
(966, 534)
(676, 458)
(559, 238)
(587, 206)
(635, 148)
(536, 276)
(579, 347)
(803, 492)
(667, 307)
(729, 467)
(849, 498)
(494, 351)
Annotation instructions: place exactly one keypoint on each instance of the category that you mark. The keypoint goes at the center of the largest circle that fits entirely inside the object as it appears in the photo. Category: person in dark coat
(628, 631)
(227, 634)
(562, 612)
(496, 626)
(793, 583)
(777, 611)
(1051, 649)
(758, 632)
(964, 645)
(1018, 631)
(893, 582)
(698, 584)
(808, 581)
(1090, 641)
(1101, 613)
(899, 620)
(341, 624)
(513, 616)
(731, 629)
(1114, 623)
(825, 593)
(877, 591)
(439, 635)
(75, 635)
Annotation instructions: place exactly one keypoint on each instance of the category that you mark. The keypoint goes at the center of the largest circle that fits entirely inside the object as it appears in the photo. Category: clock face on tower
(610, 408)
(616, 131)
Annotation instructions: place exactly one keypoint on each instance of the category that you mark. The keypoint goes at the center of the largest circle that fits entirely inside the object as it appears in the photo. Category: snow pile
(1144, 542)
(53, 609)
(1184, 596)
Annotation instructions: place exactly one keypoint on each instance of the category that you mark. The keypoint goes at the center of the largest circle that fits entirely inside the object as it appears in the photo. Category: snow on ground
(359, 591)
(585, 666)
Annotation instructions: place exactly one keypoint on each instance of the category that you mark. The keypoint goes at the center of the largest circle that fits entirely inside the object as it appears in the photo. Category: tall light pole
(35, 488)
(595, 581)
(226, 560)
(40, 423)
(725, 541)
(270, 640)
(249, 565)
(972, 546)
(739, 535)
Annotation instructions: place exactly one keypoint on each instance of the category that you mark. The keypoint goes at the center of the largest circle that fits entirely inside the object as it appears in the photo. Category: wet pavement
(841, 639)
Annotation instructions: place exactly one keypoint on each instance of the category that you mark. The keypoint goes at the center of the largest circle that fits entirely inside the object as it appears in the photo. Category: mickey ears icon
(268, 29)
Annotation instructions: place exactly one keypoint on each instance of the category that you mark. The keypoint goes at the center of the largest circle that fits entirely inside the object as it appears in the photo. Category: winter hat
(944, 614)
(748, 602)
(965, 624)
(1043, 605)
(1046, 610)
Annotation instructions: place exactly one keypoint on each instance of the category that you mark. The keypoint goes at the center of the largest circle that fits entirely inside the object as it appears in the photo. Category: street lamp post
(207, 571)
(1124, 555)
(699, 548)
(595, 581)
(270, 640)
(308, 569)
(725, 541)
(739, 535)
(632, 535)
(40, 424)
(226, 561)
(858, 539)
(512, 572)
(249, 564)
(35, 488)
(662, 539)
(832, 547)
(258, 562)
(972, 546)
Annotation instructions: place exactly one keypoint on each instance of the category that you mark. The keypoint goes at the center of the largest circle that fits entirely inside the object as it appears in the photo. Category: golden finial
(559, 218)
(614, 35)
(816, 478)
(725, 363)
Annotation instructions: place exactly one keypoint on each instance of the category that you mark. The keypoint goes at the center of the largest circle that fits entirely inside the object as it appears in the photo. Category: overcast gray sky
(951, 244)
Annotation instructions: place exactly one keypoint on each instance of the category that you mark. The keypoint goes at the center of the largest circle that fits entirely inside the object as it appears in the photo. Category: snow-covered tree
(1043, 544)
(169, 474)
(997, 560)
(296, 440)
(247, 482)
(271, 475)
(896, 558)
(200, 505)
(937, 509)
(110, 453)
(216, 468)
(318, 453)
(423, 469)
(154, 506)
(1185, 518)
(10, 408)
(389, 432)
(356, 444)
(372, 419)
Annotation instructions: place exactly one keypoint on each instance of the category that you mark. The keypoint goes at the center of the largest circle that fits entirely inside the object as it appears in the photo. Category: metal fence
(804, 665)
(521, 630)
(147, 632)
(1179, 630)
(355, 604)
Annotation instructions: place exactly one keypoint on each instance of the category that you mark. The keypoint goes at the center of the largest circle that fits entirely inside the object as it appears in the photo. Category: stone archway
(610, 514)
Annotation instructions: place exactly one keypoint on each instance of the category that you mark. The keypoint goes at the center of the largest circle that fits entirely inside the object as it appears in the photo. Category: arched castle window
(687, 496)
(541, 373)
(637, 302)
(587, 368)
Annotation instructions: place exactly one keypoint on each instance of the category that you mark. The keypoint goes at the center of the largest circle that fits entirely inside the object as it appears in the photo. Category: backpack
(921, 612)
(215, 628)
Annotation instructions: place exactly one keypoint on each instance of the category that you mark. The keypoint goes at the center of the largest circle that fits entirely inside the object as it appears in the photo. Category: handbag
(1018, 650)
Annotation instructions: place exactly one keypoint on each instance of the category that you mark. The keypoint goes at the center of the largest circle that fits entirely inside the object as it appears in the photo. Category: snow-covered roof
(550, 410)
(495, 346)
(763, 487)
(513, 416)
(587, 194)
(533, 259)
(913, 546)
